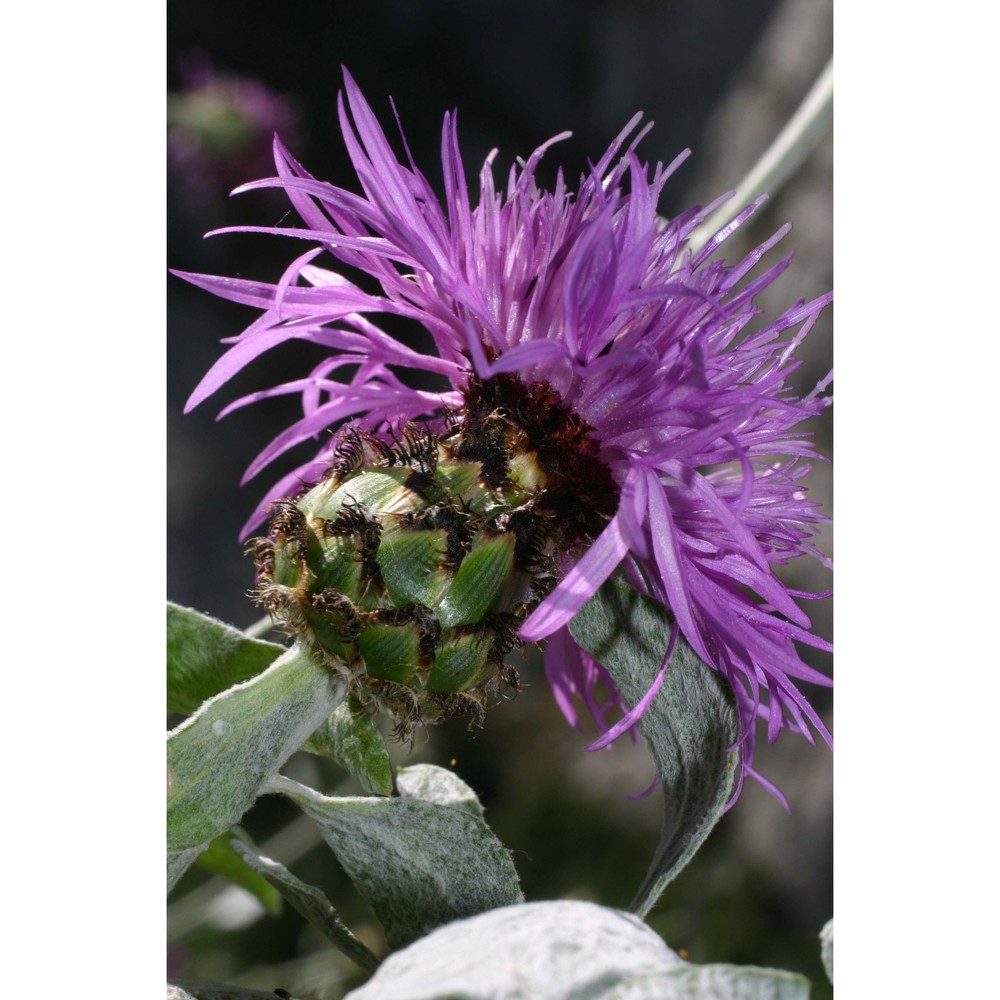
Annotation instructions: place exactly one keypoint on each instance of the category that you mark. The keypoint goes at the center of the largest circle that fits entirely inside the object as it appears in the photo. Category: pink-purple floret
(643, 338)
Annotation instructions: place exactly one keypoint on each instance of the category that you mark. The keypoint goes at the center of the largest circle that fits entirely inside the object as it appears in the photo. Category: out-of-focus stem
(260, 627)
(782, 158)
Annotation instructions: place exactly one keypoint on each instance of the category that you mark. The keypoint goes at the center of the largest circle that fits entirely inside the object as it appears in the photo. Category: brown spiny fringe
(341, 611)
(503, 416)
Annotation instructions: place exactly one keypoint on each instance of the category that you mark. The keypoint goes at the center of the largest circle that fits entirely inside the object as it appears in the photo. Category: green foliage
(218, 759)
(351, 737)
(205, 656)
(435, 875)
(178, 862)
(220, 857)
(556, 950)
(422, 859)
(308, 901)
(690, 725)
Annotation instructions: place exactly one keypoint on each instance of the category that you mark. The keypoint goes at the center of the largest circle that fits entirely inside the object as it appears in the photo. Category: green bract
(412, 590)
(411, 565)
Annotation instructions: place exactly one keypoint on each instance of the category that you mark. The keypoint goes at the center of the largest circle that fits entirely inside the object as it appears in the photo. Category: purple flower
(646, 341)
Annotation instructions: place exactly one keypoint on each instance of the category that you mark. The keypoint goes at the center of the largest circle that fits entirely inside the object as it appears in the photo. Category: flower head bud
(411, 565)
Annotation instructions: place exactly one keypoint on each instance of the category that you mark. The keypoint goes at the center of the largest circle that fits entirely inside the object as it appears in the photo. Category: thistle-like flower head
(620, 359)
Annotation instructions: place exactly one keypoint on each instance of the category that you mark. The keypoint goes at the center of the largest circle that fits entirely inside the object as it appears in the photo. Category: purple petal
(635, 714)
(579, 585)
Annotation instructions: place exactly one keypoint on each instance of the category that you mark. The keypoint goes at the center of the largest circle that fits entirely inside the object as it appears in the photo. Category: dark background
(718, 77)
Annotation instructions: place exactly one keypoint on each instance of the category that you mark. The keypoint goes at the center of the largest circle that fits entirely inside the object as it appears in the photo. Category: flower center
(525, 432)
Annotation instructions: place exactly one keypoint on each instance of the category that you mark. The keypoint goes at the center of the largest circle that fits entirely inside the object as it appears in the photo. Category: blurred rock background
(719, 77)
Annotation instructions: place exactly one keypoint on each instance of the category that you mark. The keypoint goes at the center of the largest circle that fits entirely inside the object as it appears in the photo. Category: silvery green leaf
(205, 656)
(534, 951)
(351, 737)
(311, 903)
(690, 725)
(179, 989)
(437, 785)
(220, 858)
(558, 951)
(714, 982)
(826, 948)
(419, 863)
(178, 862)
(218, 759)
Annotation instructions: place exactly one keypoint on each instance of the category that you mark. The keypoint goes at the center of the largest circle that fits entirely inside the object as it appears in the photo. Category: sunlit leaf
(205, 656)
(419, 861)
(219, 758)
(562, 950)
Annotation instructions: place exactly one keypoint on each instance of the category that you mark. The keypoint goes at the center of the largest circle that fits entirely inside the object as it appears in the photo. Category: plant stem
(781, 159)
